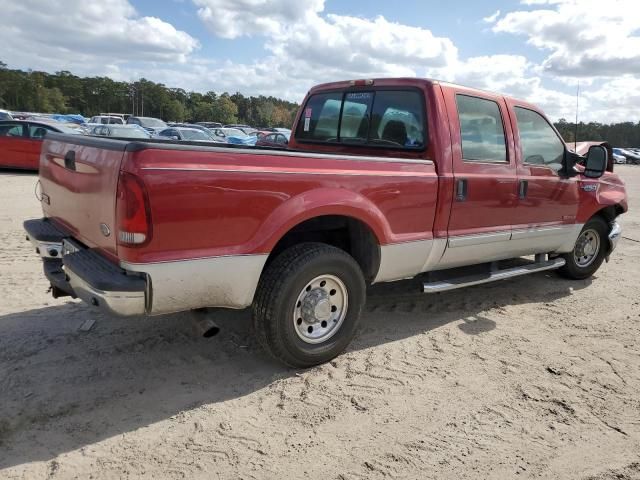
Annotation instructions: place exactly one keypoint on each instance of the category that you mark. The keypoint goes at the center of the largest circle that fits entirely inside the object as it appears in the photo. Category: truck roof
(406, 82)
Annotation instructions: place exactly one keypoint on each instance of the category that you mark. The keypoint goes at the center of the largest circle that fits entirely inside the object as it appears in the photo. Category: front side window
(383, 118)
(481, 130)
(10, 130)
(539, 142)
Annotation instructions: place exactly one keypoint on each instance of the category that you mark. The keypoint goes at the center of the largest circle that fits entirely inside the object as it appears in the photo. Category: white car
(617, 158)
(107, 120)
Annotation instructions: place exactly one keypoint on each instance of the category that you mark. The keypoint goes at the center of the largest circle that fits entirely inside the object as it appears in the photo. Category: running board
(460, 282)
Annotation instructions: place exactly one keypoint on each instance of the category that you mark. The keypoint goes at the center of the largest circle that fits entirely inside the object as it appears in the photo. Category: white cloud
(306, 45)
(236, 18)
(584, 38)
(492, 18)
(65, 34)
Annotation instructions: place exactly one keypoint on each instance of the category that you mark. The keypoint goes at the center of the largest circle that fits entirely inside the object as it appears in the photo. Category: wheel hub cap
(587, 248)
(320, 309)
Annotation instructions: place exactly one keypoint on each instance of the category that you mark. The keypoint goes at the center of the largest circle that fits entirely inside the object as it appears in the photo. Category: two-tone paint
(218, 212)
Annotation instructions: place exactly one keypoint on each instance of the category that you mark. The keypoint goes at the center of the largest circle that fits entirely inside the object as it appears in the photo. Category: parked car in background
(223, 134)
(21, 142)
(210, 124)
(192, 125)
(120, 131)
(237, 125)
(184, 134)
(152, 125)
(631, 156)
(620, 159)
(107, 120)
(5, 115)
(271, 139)
(286, 131)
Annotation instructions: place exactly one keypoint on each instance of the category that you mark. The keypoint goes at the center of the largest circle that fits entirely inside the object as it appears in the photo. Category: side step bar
(460, 282)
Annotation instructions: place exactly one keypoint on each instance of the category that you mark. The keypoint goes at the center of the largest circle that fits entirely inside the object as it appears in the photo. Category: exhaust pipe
(205, 327)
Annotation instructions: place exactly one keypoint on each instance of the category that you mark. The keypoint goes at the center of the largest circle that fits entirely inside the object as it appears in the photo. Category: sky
(538, 50)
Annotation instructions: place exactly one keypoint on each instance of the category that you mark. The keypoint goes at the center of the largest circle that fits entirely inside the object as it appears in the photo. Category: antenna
(575, 138)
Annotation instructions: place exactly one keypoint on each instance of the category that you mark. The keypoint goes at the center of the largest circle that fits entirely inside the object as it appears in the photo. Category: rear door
(548, 202)
(79, 178)
(485, 179)
(14, 143)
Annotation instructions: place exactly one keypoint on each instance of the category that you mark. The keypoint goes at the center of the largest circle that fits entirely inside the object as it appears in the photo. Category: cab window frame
(553, 129)
(366, 145)
(507, 157)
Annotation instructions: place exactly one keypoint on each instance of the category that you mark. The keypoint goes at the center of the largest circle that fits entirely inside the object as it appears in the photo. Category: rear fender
(320, 202)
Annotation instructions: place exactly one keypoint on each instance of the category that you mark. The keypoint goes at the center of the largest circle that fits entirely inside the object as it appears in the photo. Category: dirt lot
(538, 377)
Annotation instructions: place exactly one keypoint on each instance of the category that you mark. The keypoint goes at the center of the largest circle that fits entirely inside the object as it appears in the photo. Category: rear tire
(308, 304)
(588, 252)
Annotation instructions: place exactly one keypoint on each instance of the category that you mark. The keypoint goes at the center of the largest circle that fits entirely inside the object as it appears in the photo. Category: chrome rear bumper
(72, 269)
(117, 303)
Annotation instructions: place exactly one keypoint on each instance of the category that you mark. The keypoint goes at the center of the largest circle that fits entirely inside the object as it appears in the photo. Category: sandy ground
(539, 377)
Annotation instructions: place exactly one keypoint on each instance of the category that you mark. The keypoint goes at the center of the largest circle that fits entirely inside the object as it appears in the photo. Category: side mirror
(596, 162)
(174, 137)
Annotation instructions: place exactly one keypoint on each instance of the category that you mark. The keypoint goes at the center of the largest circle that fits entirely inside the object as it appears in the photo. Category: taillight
(132, 211)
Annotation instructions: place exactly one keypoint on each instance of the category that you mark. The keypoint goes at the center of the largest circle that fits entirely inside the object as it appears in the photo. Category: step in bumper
(102, 284)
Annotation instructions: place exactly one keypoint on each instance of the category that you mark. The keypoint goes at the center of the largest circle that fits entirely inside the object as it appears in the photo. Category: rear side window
(481, 130)
(539, 142)
(320, 118)
(383, 118)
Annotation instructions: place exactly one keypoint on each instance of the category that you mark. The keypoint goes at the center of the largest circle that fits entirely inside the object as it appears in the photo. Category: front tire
(308, 304)
(588, 252)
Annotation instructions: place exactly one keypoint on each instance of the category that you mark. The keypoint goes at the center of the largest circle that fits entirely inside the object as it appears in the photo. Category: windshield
(194, 135)
(151, 122)
(5, 116)
(128, 132)
(233, 132)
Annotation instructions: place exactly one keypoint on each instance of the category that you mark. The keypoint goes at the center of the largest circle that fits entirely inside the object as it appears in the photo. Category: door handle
(522, 189)
(70, 160)
(461, 189)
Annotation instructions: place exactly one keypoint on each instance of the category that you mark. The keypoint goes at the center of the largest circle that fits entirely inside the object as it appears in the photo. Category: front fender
(319, 202)
(596, 195)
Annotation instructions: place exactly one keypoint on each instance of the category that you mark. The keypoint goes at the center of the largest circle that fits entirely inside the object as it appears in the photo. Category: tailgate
(79, 179)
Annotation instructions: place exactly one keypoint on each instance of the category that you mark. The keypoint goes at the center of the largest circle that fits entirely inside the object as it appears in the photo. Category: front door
(485, 179)
(547, 201)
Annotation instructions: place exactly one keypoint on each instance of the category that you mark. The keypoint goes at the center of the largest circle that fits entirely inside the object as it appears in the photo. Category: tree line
(63, 92)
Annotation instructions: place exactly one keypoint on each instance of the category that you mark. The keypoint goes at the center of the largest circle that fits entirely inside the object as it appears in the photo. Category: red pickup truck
(382, 180)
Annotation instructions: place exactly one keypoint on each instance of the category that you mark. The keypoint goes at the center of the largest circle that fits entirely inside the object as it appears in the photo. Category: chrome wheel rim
(320, 309)
(587, 248)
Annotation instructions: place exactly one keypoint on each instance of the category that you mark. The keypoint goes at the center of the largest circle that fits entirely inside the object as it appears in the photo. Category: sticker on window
(307, 124)
(307, 112)
(359, 96)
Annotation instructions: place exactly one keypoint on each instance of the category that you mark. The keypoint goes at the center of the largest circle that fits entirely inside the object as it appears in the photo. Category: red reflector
(133, 212)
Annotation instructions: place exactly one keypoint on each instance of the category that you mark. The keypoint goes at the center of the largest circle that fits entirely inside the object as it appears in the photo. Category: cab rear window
(382, 118)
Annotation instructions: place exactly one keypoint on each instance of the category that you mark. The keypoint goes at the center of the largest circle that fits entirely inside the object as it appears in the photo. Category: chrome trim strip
(479, 239)
(117, 303)
(446, 285)
(402, 260)
(228, 282)
(318, 156)
(541, 231)
(286, 172)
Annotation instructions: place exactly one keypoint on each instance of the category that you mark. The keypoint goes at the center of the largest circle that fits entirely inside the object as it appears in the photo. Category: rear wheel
(588, 252)
(308, 304)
